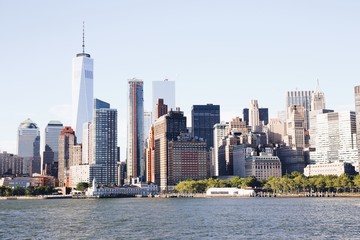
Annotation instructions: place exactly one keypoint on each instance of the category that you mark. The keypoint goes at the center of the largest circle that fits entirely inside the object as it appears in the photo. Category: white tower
(254, 121)
(82, 91)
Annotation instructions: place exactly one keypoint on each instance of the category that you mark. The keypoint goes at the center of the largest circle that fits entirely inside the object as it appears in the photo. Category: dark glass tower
(264, 115)
(203, 118)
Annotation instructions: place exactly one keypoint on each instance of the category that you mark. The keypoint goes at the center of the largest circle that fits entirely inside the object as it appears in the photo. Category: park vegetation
(29, 191)
(291, 183)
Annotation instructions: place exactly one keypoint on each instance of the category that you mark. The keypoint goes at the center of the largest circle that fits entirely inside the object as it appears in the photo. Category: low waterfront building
(38, 181)
(230, 192)
(335, 168)
(138, 189)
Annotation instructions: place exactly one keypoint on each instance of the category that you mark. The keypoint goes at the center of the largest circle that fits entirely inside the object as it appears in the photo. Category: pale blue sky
(221, 52)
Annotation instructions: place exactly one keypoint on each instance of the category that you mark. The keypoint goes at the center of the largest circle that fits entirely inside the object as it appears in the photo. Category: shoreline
(196, 195)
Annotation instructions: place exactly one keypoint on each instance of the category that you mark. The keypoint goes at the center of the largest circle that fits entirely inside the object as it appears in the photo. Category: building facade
(82, 91)
(262, 167)
(29, 146)
(335, 168)
(203, 119)
(187, 159)
(357, 112)
(10, 164)
(300, 98)
(52, 133)
(295, 137)
(166, 128)
(220, 132)
(67, 140)
(336, 138)
(135, 137)
(105, 143)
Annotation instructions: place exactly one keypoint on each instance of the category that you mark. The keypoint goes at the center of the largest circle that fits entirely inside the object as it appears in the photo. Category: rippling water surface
(188, 218)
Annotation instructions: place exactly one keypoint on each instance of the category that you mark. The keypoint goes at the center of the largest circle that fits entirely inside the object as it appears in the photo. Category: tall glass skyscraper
(105, 144)
(52, 133)
(203, 118)
(82, 91)
(135, 137)
(29, 146)
(164, 90)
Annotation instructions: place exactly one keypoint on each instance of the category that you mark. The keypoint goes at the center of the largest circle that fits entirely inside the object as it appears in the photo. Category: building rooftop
(28, 123)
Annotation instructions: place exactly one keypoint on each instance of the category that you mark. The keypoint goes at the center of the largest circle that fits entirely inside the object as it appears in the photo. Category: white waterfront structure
(230, 192)
(138, 189)
(164, 90)
(82, 91)
(335, 138)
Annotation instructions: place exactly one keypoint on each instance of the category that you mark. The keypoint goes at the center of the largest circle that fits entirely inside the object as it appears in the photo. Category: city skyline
(211, 54)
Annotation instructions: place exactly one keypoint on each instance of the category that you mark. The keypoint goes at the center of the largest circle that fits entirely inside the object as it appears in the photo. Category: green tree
(250, 182)
(82, 186)
(19, 191)
(320, 183)
(356, 181)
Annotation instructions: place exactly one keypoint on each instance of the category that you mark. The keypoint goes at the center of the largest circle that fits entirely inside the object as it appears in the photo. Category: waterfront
(185, 218)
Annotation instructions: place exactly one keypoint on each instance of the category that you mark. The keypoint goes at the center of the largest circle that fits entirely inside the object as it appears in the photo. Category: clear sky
(221, 52)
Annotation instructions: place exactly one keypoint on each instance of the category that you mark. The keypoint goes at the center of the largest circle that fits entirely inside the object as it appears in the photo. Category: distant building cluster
(163, 150)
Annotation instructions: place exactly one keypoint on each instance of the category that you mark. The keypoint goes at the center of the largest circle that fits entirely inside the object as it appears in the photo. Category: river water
(181, 218)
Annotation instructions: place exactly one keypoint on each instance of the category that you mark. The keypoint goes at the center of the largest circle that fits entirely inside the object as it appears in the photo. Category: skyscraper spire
(83, 45)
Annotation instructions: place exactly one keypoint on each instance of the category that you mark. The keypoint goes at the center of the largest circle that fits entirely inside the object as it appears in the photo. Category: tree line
(29, 191)
(291, 183)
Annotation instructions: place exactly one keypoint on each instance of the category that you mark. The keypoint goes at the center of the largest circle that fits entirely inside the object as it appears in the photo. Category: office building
(105, 143)
(160, 109)
(300, 98)
(82, 90)
(167, 128)
(147, 124)
(254, 120)
(203, 119)
(220, 132)
(262, 167)
(67, 140)
(357, 111)
(277, 131)
(29, 146)
(263, 116)
(295, 137)
(164, 90)
(187, 159)
(51, 153)
(10, 164)
(336, 138)
(135, 137)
